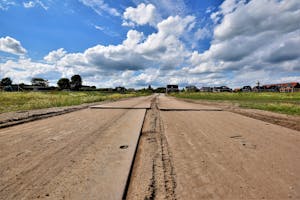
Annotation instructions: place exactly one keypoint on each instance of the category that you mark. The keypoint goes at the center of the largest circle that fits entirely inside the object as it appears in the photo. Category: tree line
(63, 84)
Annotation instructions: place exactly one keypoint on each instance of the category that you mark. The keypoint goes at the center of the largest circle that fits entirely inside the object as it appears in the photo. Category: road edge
(125, 192)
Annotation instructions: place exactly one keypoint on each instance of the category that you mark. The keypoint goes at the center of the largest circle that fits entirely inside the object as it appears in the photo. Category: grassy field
(287, 103)
(17, 101)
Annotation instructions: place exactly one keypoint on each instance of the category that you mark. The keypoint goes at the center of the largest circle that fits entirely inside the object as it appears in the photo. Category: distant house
(282, 87)
(258, 89)
(271, 88)
(172, 88)
(206, 89)
(290, 87)
(246, 89)
(191, 88)
(222, 89)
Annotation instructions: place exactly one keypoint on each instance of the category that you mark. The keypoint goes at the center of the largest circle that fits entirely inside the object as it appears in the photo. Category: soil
(20, 117)
(194, 151)
(86, 154)
(288, 121)
(187, 150)
(153, 174)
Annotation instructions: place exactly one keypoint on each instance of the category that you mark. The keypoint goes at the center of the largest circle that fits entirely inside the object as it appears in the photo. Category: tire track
(153, 156)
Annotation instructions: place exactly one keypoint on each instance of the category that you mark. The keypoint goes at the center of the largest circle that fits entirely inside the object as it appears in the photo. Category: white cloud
(202, 33)
(256, 40)
(133, 39)
(251, 36)
(11, 45)
(56, 55)
(32, 4)
(141, 15)
(175, 25)
(29, 4)
(136, 61)
(5, 4)
(136, 52)
(99, 28)
(106, 30)
(168, 7)
(23, 69)
(99, 6)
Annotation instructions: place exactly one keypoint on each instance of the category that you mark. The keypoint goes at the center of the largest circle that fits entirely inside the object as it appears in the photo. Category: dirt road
(86, 154)
(205, 153)
(185, 151)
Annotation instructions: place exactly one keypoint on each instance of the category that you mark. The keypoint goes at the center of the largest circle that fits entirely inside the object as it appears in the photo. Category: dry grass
(17, 101)
(287, 103)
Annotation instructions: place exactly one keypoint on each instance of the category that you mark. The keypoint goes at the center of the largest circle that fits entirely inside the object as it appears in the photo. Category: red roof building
(285, 87)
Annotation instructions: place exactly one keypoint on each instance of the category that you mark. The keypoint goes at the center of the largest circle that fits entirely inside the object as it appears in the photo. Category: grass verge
(287, 103)
(18, 101)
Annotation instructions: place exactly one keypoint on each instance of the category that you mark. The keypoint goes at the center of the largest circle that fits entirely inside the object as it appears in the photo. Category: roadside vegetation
(19, 101)
(287, 103)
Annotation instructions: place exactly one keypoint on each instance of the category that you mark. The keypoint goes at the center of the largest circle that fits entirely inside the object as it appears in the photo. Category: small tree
(39, 82)
(6, 81)
(76, 82)
(63, 83)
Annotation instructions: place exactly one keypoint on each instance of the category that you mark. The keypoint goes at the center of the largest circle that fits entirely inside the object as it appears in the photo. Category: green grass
(287, 103)
(18, 101)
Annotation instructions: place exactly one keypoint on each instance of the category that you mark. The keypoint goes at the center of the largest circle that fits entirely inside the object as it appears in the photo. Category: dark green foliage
(76, 82)
(63, 83)
(6, 81)
(39, 82)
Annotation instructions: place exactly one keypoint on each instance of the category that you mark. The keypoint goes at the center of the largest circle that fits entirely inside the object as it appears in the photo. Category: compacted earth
(155, 147)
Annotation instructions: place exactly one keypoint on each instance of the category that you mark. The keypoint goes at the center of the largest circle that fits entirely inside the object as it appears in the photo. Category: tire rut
(155, 157)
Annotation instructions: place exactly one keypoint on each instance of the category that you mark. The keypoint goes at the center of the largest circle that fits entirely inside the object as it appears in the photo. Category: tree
(76, 82)
(6, 81)
(63, 83)
(39, 82)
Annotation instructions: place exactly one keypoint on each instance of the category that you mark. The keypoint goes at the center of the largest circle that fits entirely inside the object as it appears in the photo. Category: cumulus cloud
(29, 4)
(56, 55)
(137, 61)
(202, 33)
(141, 15)
(162, 49)
(23, 69)
(99, 6)
(252, 36)
(251, 41)
(11, 45)
(168, 7)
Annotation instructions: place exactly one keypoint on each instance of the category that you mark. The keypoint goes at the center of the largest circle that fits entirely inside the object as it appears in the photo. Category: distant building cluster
(280, 87)
(75, 84)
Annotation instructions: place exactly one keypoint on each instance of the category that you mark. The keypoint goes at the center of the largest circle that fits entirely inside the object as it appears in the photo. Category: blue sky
(135, 43)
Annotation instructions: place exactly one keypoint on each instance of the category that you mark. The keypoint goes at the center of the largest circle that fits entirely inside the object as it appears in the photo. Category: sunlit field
(287, 103)
(18, 101)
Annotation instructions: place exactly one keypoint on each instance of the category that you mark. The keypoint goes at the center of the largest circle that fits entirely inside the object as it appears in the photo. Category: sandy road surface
(72, 156)
(228, 156)
(193, 151)
(186, 151)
